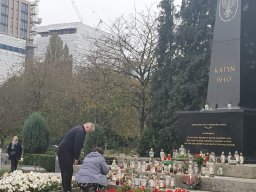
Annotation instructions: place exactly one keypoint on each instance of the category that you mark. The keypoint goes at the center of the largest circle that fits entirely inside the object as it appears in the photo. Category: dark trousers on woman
(90, 187)
(66, 168)
(14, 163)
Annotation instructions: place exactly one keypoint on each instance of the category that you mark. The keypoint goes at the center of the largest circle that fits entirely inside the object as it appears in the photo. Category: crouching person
(93, 173)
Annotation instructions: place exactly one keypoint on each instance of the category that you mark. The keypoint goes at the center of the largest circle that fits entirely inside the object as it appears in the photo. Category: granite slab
(240, 171)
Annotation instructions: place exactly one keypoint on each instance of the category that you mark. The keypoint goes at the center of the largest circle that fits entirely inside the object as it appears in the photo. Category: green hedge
(43, 160)
(3, 171)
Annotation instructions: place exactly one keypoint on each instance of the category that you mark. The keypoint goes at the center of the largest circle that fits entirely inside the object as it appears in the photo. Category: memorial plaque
(232, 79)
(218, 131)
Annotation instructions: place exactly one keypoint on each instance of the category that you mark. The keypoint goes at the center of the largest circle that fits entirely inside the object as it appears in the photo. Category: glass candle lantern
(151, 153)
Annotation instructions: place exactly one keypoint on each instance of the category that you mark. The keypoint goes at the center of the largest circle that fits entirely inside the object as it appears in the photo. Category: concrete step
(240, 171)
(227, 184)
(236, 178)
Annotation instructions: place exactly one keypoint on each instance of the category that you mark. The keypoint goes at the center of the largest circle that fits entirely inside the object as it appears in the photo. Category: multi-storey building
(79, 38)
(18, 19)
(15, 18)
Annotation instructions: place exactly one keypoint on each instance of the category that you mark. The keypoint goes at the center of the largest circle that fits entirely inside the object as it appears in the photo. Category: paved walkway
(28, 168)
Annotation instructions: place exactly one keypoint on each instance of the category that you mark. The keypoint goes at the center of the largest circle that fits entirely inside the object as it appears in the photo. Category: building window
(5, 2)
(63, 31)
(23, 34)
(4, 23)
(4, 10)
(59, 32)
(4, 28)
(11, 48)
(24, 16)
(4, 19)
(12, 12)
(17, 14)
(24, 7)
(24, 26)
(18, 5)
(12, 4)
(43, 34)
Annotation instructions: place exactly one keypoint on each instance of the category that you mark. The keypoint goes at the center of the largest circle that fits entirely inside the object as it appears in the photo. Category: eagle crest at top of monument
(228, 9)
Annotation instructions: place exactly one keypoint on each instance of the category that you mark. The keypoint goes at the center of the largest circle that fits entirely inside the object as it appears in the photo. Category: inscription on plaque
(210, 141)
(224, 74)
(208, 135)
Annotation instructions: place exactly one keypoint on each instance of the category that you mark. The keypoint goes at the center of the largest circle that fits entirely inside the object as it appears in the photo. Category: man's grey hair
(91, 124)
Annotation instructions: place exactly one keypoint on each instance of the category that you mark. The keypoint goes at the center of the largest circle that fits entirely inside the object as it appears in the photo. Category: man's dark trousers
(66, 168)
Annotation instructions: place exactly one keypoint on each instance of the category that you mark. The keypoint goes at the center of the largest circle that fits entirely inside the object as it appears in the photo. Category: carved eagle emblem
(228, 9)
(227, 6)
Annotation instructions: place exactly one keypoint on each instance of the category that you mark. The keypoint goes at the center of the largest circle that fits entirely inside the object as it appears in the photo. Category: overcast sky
(62, 11)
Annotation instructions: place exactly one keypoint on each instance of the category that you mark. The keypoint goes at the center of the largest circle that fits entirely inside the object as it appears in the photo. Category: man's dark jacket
(72, 142)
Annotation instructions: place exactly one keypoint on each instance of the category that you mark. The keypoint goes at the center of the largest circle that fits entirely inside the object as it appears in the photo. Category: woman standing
(14, 151)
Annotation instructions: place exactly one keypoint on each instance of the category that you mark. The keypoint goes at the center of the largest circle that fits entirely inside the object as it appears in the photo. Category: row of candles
(142, 180)
(164, 167)
(159, 173)
(237, 158)
(150, 174)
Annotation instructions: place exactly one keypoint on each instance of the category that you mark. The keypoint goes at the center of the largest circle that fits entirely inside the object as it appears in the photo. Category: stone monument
(229, 123)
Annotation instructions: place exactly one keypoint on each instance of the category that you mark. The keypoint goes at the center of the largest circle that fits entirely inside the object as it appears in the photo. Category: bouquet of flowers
(33, 182)
(142, 189)
(124, 188)
(201, 159)
(172, 190)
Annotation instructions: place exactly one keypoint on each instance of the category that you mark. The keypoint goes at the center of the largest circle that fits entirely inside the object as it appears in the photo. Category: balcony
(34, 3)
(36, 21)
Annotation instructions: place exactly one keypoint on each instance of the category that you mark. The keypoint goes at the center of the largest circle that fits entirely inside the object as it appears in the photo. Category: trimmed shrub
(35, 134)
(43, 160)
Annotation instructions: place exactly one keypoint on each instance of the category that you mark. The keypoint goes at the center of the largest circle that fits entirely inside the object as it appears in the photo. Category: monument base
(227, 130)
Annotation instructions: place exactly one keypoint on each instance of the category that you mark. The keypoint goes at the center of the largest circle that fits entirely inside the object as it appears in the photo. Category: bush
(103, 136)
(43, 160)
(18, 181)
(113, 140)
(94, 139)
(35, 134)
(146, 142)
(3, 171)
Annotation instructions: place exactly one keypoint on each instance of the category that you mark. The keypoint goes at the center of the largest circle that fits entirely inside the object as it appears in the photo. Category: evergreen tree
(57, 56)
(35, 134)
(160, 115)
(180, 81)
(56, 51)
(194, 48)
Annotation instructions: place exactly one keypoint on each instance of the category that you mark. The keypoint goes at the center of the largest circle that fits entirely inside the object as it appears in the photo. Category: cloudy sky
(92, 11)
